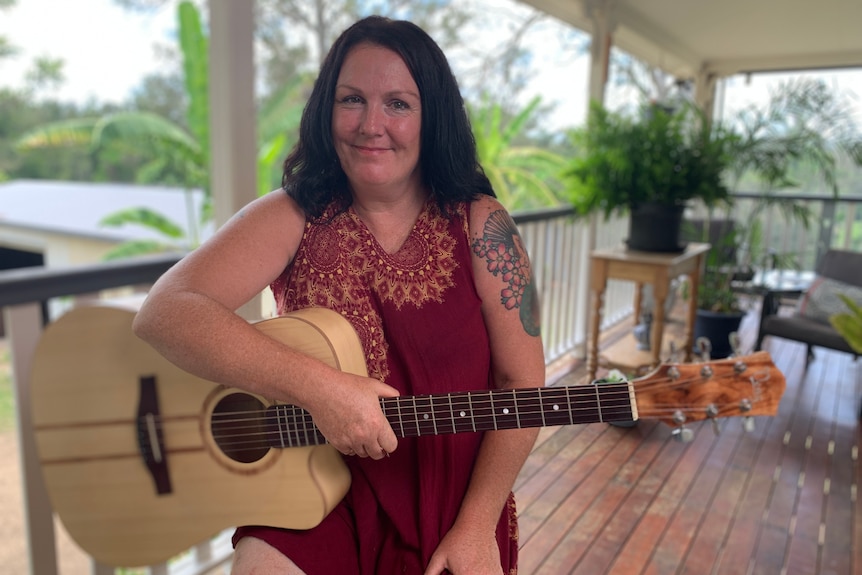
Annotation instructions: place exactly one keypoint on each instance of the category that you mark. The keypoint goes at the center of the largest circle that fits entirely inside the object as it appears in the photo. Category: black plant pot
(717, 327)
(655, 228)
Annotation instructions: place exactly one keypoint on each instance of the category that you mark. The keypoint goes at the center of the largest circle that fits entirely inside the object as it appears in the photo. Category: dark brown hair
(449, 162)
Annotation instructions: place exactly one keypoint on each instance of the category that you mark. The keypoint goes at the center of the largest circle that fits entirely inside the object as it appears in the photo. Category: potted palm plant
(649, 165)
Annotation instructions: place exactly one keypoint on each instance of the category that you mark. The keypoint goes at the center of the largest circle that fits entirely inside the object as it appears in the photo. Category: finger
(384, 451)
(389, 442)
(384, 390)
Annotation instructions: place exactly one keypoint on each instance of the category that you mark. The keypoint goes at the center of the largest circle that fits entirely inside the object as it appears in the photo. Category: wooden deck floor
(781, 499)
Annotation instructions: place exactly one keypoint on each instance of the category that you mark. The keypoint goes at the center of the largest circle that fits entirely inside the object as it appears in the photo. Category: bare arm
(189, 317)
(511, 311)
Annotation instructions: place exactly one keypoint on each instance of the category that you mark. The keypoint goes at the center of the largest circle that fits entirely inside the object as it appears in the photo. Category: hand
(348, 414)
(465, 551)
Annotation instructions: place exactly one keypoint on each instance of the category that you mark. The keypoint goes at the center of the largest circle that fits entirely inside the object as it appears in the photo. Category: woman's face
(377, 120)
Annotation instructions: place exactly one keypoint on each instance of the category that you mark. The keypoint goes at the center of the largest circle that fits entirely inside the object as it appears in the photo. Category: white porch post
(24, 323)
(602, 14)
(233, 116)
(704, 92)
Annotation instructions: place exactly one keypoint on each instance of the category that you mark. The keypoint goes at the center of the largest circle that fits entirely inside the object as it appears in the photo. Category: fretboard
(472, 411)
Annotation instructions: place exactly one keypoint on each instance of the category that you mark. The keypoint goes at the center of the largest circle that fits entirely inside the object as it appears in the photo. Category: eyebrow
(392, 93)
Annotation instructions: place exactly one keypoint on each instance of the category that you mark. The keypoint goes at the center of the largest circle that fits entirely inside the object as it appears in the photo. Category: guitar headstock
(685, 392)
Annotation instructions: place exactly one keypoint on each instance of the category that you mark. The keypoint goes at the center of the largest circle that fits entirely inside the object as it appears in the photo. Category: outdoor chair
(838, 272)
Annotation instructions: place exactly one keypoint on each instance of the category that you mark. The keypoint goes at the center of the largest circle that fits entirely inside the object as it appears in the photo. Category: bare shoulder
(501, 265)
(276, 207)
(481, 209)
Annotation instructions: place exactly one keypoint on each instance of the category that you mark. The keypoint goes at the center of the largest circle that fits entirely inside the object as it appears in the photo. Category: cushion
(821, 300)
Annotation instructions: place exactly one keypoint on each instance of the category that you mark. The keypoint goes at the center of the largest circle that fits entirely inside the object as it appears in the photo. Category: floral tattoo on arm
(502, 248)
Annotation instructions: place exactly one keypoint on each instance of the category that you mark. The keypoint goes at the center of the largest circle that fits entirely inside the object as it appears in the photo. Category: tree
(522, 176)
(45, 75)
(6, 49)
(176, 153)
(172, 150)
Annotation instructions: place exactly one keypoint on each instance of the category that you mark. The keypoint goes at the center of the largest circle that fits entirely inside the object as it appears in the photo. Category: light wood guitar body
(85, 383)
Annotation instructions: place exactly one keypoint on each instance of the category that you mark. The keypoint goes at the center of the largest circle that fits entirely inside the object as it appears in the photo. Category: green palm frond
(74, 132)
(194, 45)
(144, 217)
(136, 248)
(849, 324)
(522, 176)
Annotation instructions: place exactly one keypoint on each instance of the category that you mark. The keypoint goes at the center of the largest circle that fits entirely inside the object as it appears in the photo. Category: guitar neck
(472, 411)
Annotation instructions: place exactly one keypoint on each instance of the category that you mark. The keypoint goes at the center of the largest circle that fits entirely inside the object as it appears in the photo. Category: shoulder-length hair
(448, 159)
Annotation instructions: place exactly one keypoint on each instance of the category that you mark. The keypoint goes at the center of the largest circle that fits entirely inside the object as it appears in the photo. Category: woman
(388, 219)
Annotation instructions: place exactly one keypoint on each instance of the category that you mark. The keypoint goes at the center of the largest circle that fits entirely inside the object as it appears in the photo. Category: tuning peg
(748, 423)
(704, 347)
(682, 434)
(735, 344)
(712, 413)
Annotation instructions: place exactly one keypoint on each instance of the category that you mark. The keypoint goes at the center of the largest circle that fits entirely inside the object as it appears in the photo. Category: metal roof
(76, 208)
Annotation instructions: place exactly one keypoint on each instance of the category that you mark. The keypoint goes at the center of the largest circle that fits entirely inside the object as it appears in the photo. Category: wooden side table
(657, 269)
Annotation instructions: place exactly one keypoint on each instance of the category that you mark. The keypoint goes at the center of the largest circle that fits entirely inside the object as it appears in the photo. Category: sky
(106, 49)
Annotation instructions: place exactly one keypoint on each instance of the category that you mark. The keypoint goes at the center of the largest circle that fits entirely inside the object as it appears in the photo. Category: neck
(390, 220)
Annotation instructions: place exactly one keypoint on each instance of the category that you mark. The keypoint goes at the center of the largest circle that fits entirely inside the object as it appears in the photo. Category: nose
(372, 121)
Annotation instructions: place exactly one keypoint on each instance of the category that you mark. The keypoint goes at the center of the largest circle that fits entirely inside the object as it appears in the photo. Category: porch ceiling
(685, 37)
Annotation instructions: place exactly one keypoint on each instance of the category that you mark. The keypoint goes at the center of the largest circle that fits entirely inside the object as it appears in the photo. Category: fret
(400, 417)
(300, 415)
(598, 403)
(291, 425)
(416, 416)
(452, 413)
(472, 411)
(483, 411)
(539, 404)
(569, 406)
(517, 411)
(280, 428)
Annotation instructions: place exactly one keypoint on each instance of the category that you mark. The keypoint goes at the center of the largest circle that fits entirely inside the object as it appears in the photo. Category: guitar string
(304, 425)
(309, 426)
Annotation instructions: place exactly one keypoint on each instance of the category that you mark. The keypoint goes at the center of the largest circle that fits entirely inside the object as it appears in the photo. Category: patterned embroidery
(341, 266)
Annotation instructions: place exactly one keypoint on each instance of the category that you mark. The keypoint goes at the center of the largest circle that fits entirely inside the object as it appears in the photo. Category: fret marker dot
(425, 416)
(463, 413)
(556, 407)
(505, 411)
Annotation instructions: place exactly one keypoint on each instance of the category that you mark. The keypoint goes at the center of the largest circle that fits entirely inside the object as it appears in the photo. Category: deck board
(781, 499)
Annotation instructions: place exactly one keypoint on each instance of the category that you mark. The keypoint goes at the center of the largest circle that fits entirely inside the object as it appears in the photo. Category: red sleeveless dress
(418, 316)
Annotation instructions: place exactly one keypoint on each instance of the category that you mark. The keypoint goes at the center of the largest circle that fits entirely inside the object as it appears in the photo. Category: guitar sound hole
(239, 427)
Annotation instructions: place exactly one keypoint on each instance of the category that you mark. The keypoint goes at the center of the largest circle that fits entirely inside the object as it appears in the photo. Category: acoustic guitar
(143, 460)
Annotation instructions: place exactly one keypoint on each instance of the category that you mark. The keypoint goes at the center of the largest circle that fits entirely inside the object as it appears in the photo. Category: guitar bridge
(151, 441)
